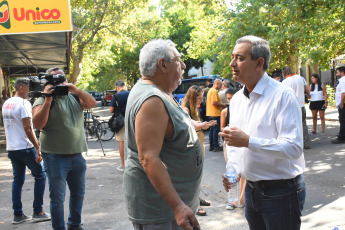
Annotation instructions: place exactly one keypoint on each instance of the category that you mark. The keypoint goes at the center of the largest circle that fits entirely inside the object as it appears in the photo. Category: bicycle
(96, 128)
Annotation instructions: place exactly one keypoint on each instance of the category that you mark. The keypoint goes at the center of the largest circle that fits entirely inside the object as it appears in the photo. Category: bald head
(217, 84)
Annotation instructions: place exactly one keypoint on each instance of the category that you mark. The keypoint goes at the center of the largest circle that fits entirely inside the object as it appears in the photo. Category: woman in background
(190, 104)
(318, 102)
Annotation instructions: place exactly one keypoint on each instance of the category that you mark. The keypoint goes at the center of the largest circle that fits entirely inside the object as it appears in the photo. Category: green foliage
(112, 33)
(330, 95)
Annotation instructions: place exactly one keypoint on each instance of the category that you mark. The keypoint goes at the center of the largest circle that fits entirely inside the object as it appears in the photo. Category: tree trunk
(77, 63)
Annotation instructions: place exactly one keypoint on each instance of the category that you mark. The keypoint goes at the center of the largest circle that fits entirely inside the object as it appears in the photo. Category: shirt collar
(260, 86)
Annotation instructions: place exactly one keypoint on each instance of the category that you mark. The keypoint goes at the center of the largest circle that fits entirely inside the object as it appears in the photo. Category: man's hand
(185, 217)
(48, 90)
(226, 182)
(71, 88)
(341, 106)
(235, 137)
(39, 156)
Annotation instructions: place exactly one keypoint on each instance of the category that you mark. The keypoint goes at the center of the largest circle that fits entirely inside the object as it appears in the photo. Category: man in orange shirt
(214, 108)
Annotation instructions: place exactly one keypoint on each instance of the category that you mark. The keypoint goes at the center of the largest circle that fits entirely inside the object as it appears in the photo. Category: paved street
(104, 206)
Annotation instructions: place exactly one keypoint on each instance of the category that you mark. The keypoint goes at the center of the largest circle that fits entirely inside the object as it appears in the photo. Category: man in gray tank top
(163, 155)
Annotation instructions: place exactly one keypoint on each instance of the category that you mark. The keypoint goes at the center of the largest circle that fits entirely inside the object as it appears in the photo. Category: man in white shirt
(339, 102)
(266, 133)
(299, 86)
(23, 151)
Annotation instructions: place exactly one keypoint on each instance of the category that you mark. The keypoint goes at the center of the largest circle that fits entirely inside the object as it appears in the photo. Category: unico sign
(34, 16)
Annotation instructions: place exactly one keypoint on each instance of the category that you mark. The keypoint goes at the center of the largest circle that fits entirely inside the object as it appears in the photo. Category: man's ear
(260, 62)
(161, 65)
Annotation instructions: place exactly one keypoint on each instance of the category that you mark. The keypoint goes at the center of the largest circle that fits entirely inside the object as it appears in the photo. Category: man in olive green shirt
(62, 139)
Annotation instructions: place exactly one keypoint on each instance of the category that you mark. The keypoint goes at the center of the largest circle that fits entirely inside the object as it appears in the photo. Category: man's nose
(183, 66)
(232, 63)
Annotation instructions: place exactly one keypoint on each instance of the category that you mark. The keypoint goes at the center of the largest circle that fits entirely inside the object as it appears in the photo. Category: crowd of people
(162, 146)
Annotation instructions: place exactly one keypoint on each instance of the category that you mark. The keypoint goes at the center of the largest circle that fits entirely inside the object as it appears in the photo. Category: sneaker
(323, 134)
(20, 219)
(120, 168)
(210, 149)
(307, 147)
(73, 227)
(43, 216)
(230, 206)
(314, 132)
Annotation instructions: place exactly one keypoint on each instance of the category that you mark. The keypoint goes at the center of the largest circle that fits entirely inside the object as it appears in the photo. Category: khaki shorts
(120, 135)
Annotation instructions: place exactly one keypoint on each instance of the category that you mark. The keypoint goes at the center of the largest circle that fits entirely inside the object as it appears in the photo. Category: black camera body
(37, 85)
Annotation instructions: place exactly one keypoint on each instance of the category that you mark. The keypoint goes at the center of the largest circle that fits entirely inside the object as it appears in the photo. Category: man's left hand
(341, 106)
(38, 158)
(185, 217)
(235, 137)
(71, 88)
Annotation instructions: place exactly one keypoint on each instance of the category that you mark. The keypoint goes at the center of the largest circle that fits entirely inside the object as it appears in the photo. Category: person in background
(225, 86)
(266, 135)
(164, 158)
(23, 151)
(190, 104)
(209, 85)
(298, 84)
(277, 76)
(224, 121)
(339, 102)
(318, 102)
(122, 96)
(213, 110)
(62, 139)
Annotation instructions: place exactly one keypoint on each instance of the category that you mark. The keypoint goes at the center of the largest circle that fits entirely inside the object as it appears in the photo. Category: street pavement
(104, 206)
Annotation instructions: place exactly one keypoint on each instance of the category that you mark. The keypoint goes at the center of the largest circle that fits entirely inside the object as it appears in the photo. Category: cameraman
(62, 139)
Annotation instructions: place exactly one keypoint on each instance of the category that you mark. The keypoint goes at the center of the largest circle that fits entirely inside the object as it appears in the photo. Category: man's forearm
(41, 114)
(216, 103)
(31, 135)
(87, 99)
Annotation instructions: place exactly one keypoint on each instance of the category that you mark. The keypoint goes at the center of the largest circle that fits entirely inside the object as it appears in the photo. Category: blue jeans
(278, 208)
(61, 169)
(213, 133)
(20, 159)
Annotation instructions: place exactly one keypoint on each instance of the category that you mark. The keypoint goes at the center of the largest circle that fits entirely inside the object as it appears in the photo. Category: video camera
(37, 84)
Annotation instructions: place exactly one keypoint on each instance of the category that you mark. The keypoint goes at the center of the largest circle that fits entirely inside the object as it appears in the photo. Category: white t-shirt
(317, 95)
(13, 111)
(339, 91)
(297, 83)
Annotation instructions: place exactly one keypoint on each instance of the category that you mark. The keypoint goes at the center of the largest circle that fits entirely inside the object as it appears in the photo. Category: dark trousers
(341, 135)
(275, 208)
(213, 134)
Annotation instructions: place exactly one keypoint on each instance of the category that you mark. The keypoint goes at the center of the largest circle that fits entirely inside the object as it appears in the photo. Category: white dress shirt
(271, 116)
(339, 91)
(297, 84)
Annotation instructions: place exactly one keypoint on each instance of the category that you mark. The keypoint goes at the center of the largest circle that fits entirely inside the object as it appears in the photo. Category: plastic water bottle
(232, 175)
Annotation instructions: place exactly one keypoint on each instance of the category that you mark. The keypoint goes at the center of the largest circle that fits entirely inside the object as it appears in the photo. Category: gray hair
(260, 48)
(226, 83)
(152, 52)
(52, 69)
(120, 83)
(21, 82)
